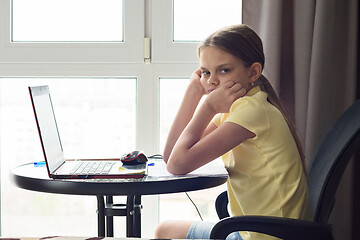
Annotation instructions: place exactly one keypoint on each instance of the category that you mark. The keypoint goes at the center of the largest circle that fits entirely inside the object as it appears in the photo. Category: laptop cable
(159, 156)
(197, 209)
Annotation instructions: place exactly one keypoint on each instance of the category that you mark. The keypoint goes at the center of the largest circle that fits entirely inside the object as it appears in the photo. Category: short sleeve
(250, 113)
(216, 120)
(219, 118)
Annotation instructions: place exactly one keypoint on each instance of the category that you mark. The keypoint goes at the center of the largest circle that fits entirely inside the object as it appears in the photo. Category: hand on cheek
(195, 82)
(221, 99)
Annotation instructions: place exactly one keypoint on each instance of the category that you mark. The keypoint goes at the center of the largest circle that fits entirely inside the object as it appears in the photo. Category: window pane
(171, 94)
(90, 115)
(67, 20)
(194, 20)
(177, 205)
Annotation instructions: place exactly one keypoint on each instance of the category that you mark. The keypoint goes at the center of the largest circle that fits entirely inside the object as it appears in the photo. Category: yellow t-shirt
(265, 172)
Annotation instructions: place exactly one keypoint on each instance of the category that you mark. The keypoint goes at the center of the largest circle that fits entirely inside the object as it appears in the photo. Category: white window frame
(164, 49)
(129, 51)
(97, 59)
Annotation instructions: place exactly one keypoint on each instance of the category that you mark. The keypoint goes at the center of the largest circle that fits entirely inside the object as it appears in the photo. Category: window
(35, 44)
(171, 93)
(106, 67)
(183, 27)
(195, 23)
(67, 21)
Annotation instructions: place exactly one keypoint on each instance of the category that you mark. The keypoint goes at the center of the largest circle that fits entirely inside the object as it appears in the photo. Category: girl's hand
(195, 82)
(221, 99)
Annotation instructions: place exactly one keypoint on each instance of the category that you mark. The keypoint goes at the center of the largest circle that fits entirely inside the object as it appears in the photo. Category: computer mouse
(135, 157)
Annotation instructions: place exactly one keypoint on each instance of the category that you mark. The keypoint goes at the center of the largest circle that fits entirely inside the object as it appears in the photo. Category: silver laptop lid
(47, 127)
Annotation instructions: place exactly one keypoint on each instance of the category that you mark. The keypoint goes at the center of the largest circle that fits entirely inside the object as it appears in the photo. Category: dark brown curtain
(311, 60)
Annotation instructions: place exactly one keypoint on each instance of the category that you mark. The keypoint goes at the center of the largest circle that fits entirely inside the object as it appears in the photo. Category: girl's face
(218, 67)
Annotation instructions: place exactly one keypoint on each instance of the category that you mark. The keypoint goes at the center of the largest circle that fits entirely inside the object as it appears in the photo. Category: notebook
(60, 168)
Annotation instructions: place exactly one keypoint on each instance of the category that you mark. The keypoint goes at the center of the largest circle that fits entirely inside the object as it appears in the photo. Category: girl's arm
(191, 99)
(192, 150)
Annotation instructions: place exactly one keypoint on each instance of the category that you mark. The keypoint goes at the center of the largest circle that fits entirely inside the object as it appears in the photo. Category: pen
(151, 164)
(39, 164)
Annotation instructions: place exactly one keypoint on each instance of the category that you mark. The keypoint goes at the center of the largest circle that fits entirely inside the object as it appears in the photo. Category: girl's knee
(172, 229)
(160, 230)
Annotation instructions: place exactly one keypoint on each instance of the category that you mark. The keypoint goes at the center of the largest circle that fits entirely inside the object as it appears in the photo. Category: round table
(30, 176)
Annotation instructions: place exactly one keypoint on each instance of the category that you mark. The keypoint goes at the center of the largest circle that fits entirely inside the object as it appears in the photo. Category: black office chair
(325, 171)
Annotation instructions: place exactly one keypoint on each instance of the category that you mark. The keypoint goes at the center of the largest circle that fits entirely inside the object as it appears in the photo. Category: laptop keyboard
(92, 168)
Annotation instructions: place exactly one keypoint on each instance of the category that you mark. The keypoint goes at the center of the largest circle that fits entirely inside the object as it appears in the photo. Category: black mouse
(135, 157)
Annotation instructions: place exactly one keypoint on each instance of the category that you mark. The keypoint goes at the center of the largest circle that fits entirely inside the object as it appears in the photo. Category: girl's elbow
(176, 171)
(170, 169)
(165, 158)
(166, 155)
(176, 167)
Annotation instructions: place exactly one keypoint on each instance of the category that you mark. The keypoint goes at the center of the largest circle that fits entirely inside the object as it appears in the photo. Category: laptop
(60, 168)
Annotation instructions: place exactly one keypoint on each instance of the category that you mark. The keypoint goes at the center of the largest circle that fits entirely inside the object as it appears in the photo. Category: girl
(242, 120)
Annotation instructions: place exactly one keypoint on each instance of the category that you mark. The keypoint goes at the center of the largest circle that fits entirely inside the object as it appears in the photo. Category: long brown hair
(242, 42)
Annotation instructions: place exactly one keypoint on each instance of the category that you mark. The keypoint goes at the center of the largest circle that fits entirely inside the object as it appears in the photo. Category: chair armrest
(221, 205)
(284, 228)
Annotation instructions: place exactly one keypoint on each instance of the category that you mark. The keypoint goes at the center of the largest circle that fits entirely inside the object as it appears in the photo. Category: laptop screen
(47, 127)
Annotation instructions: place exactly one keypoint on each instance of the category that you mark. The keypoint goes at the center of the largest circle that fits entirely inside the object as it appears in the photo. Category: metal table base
(107, 209)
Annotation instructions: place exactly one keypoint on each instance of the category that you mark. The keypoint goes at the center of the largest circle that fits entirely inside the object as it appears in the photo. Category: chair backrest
(330, 160)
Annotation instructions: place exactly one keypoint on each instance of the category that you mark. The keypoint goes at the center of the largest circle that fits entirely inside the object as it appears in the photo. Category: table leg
(109, 219)
(137, 217)
(133, 216)
(101, 216)
(130, 216)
